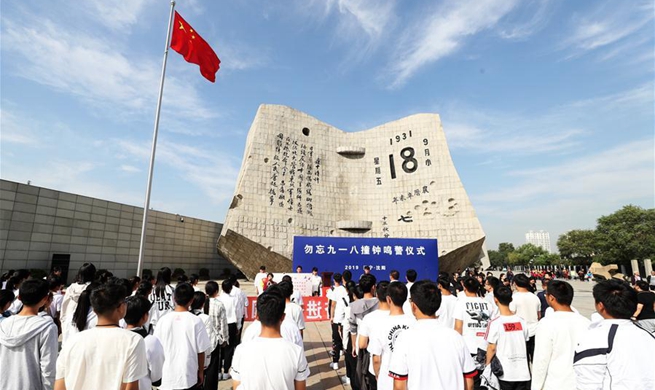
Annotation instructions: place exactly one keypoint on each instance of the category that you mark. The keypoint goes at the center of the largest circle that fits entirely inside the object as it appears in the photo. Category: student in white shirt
(218, 321)
(336, 294)
(410, 277)
(527, 306)
(230, 304)
(241, 302)
(136, 316)
(105, 357)
(428, 355)
(85, 275)
(161, 296)
(185, 340)
(365, 330)
(84, 317)
(57, 298)
(506, 335)
(445, 314)
(557, 336)
(269, 361)
(384, 335)
(198, 309)
(472, 313)
(317, 282)
(28, 342)
(259, 280)
(490, 284)
(291, 310)
(608, 356)
(289, 331)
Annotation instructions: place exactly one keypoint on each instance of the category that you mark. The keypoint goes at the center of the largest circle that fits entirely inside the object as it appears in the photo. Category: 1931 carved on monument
(301, 176)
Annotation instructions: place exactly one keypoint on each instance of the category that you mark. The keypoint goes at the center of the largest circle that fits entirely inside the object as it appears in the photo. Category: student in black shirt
(645, 313)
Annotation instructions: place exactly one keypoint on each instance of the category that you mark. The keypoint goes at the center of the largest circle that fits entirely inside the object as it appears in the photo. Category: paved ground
(318, 341)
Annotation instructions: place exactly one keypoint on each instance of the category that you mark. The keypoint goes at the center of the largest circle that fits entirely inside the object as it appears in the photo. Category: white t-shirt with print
(383, 341)
(526, 305)
(447, 310)
(161, 304)
(55, 306)
(337, 294)
(269, 363)
(102, 358)
(431, 356)
(183, 336)
(510, 333)
(288, 329)
(294, 312)
(230, 304)
(475, 313)
(365, 329)
(259, 282)
(155, 354)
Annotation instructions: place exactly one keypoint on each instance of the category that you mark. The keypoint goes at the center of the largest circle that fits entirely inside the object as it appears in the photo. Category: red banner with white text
(314, 309)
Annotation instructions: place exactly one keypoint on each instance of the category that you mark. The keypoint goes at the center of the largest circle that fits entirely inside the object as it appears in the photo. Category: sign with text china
(337, 254)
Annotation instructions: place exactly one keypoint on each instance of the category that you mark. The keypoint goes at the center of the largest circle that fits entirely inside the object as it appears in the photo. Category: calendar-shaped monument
(304, 177)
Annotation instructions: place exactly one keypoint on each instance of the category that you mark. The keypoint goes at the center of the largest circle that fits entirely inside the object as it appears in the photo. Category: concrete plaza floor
(318, 341)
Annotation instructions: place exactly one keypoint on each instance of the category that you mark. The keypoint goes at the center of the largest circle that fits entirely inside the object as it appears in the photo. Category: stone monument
(301, 176)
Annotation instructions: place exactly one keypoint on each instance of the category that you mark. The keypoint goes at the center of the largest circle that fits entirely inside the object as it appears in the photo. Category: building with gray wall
(40, 227)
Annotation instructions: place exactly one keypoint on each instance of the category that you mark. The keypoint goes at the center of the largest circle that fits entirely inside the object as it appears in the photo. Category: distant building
(540, 239)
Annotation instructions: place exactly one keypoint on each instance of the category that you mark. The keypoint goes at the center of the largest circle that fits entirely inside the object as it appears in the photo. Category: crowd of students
(465, 331)
(477, 331)
(118, 333)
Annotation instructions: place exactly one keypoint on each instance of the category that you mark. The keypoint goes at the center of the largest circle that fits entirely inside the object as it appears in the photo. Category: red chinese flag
(194, 49)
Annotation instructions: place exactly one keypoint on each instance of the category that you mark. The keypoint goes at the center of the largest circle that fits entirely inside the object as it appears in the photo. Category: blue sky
(548, 106)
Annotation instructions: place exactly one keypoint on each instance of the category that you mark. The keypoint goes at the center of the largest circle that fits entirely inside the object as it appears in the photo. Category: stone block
(44, 219)
(17, 216)
(44, 210)
(41, 228)
(64, 213)
(21, 226)
(47, 193)
(27, 189)
(6, 204)
(26, 198)
(8, 185)
(63, 221)
(64, 205)
(18, 245)
(41, 237)
(25, 207)
(7, 195)
(66, 197)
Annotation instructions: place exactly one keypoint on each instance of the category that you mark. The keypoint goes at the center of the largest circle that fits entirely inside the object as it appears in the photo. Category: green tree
(626, 234)
(578, 246)
(525, 254)
(496, 258)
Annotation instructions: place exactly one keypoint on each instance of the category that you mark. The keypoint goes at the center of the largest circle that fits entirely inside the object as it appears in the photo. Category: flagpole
(146, 206)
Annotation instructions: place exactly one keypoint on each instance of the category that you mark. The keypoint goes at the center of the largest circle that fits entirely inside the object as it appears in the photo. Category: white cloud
(101, 74)
(569, 195)
(609, 26)
(129, 168)
(442, 32)
(116, 15)
(532, 16)
(361, 24)
(214, 173)
(15, 130)
(558, 129)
